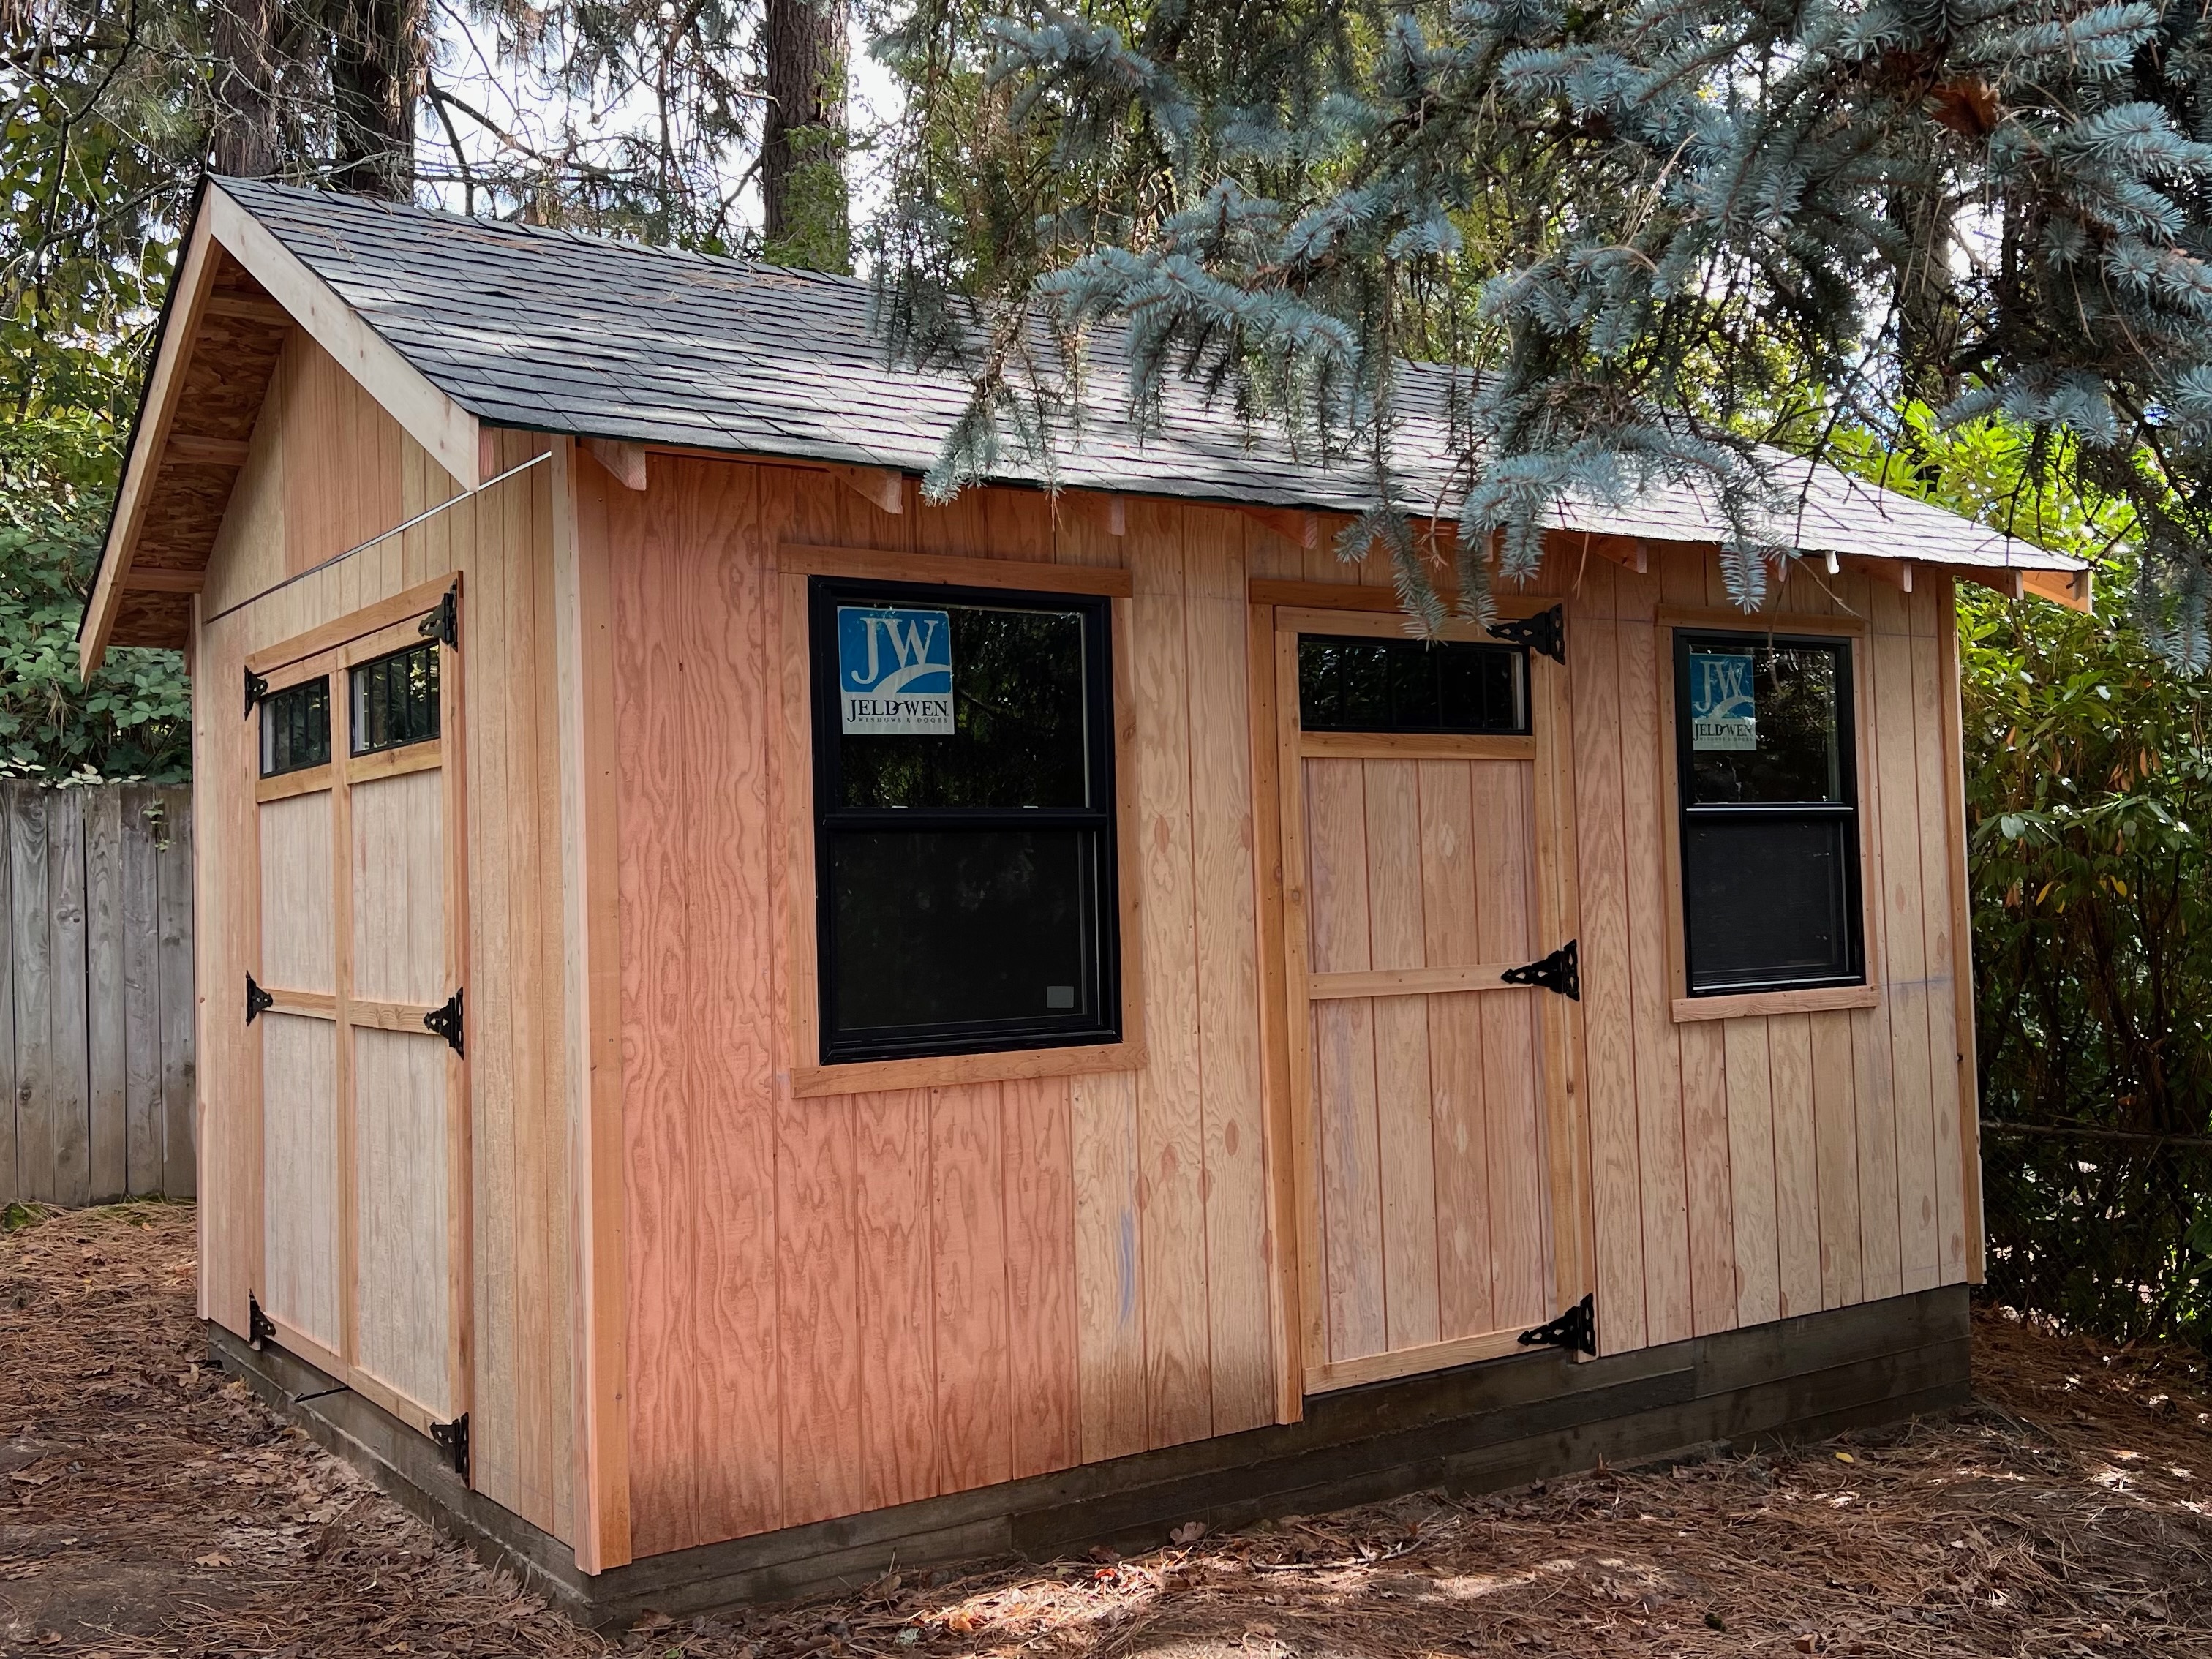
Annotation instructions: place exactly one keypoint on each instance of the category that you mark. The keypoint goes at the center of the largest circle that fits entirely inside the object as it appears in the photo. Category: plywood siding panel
(1042, 1379)
(1751, 1166)
(1703, 1046)
(825, 1469)
(896, 1339)
(1938, 905)
(1110, 1244)
(1609, 1037)
(1836, 1156)
(1178, 1358)
(1451, 923)
(1904, 946)
(974, 1406)
(1234, 1182)
(1661, 1144)
(1797, 1182)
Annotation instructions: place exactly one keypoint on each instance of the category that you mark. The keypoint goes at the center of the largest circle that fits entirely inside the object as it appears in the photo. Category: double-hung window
(963, 792)
(1766, 768)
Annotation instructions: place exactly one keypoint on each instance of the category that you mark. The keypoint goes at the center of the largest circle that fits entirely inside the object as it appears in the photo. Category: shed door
(1412, 885)
(364, 1085)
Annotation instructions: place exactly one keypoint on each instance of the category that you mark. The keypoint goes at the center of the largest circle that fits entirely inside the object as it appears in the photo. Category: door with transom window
(357, 1002)
(1426, 965)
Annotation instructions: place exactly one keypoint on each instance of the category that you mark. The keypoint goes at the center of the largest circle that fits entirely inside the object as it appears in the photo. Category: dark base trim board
(1480, 1428)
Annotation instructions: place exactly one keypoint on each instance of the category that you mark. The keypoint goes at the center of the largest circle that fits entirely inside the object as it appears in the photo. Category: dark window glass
(964, 929)
(1352, 684)
(1766, 762)
(395, 700)
(295, 727)
(964, 852)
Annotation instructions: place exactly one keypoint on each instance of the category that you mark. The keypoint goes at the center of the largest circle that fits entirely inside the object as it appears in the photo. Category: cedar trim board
(1482, 1427)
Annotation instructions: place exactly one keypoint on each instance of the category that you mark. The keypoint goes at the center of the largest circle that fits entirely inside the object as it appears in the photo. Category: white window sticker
(895, 672)
(1723, 713)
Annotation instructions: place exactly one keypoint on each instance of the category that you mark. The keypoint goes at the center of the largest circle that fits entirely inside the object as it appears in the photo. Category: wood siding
(794, 1308)
(327, 472)
(1759, 1167)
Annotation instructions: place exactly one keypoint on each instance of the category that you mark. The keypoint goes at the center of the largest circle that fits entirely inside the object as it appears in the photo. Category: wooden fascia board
(142, 466)
(442, 427)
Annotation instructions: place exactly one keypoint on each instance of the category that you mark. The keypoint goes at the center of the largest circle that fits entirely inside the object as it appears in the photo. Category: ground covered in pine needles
(148, 1506)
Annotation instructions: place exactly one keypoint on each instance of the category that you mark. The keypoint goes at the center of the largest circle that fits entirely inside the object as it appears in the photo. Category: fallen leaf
(1845, 1457)
(214, 1559)
(1189, 1533)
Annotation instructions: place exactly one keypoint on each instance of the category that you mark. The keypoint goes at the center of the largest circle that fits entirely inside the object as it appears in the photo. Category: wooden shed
(751, 1026)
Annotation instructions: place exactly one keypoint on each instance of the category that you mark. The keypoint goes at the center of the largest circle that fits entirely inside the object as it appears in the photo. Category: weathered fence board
(95, 993)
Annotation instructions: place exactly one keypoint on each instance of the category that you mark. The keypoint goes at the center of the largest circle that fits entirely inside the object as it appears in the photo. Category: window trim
(810, 1077)
(1683, 1007)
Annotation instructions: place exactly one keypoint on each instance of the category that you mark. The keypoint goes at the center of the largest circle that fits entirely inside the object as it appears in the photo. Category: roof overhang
(236, 292)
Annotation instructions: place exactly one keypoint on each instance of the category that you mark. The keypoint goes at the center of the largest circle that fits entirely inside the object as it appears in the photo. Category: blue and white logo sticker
(895, 672)
(1723, 711)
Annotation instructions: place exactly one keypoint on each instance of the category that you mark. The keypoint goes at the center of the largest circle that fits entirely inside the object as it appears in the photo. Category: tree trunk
(243, 143)
(1927, 319)
(376, 79)
(802, 165)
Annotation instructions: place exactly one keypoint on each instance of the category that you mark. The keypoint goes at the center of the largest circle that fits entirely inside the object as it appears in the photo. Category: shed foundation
(1479, 1428)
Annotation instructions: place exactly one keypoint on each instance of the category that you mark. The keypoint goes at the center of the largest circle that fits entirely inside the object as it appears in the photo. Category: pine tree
(1656, 232)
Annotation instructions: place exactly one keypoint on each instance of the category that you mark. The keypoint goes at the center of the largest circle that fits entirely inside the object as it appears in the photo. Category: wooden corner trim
(432, 418)
(877, 564)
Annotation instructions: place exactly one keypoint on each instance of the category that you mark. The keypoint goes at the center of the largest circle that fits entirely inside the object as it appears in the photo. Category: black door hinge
(259, 1327)
(444, 624)
(453, 1439)
(447, 1021)
(257, 687)
(1560, 971)
(1574, 1330)
(258, 1001)
(1545, 632)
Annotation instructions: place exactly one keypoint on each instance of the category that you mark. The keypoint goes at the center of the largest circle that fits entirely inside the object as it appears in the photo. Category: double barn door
(1421, 868)
(355, 999)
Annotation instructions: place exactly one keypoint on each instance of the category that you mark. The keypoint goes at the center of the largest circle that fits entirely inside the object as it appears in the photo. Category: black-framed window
(963, 788)
(1351, 684)
(395, 699)
(1767, 767)
(296, 728)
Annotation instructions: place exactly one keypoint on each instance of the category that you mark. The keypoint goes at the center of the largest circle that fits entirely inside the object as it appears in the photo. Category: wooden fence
(95, 993)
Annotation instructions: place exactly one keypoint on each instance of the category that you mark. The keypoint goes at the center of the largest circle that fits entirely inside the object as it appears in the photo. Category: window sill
(939, 1071)
(1753, 1003)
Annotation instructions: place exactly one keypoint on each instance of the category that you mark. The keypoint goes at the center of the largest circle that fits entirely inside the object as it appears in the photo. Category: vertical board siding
(96, 1004)
(326, 471)
(838, 1303)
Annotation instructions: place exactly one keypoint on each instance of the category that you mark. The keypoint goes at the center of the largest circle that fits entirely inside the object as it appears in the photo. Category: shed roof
(562, 331)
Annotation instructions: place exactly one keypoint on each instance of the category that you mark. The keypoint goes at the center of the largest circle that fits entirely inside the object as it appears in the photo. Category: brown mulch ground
(148, 1506)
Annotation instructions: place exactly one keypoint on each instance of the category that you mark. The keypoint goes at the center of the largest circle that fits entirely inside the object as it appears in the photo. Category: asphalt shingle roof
(560, 331)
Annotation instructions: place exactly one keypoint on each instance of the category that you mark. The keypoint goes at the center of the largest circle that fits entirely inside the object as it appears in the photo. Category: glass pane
(296, 728)
(947, 927)
(1347, 684)
(395, 700)
(1766, 900)
(1017, 735)
(1763, 723)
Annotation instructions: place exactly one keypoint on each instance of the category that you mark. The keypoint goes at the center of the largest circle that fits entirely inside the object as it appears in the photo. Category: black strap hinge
(257, 687)
(1545, 633)
(453, 1439)
(444, 624)
(259, 1327)
(1560, 971)
(258, 1001)
(447, 1021)
(1574, 1330)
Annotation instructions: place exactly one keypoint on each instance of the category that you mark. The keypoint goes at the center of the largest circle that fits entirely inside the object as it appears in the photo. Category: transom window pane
(964, 830)
(395, 700)
(1356, 684)
(296, 728)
